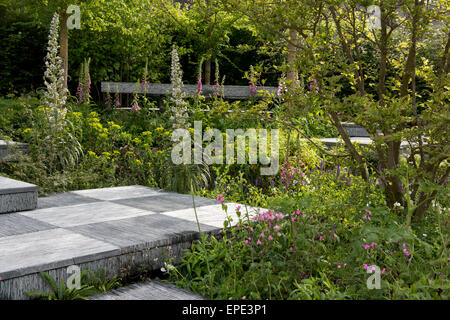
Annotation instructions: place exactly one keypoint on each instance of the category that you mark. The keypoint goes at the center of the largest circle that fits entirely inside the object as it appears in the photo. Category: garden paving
(149, 290)
(100, 228)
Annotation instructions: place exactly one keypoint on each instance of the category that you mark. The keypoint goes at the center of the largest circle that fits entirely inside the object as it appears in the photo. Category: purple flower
(135, 107)
(199, 87)
(252, 88)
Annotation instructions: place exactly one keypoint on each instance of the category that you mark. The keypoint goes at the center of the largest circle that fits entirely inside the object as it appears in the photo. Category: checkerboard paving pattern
(82, 226)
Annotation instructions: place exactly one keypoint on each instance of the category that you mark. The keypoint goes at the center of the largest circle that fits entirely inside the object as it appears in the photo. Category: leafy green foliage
(313, 251)
(91, 283)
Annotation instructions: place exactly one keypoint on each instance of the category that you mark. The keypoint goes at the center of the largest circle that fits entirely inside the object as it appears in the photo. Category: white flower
(56, 94)
(176, 78)
(167, 267)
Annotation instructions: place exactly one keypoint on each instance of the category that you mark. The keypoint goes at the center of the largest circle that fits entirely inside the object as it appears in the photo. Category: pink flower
(238, 208)
(270, 238)
(339, 266)
(383, 271)
(279, 234)
(366, 246)
(291, 249)
(258, 242)
(320, 238)
(262, 235)
(220, 198)
(368, 211)
(276, 228)
(372, 244)
(246, 241)
(199, 87)
(366, 266)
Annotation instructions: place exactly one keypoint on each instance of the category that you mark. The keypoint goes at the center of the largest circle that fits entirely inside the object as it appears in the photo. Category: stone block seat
(7, 146)
(17, 195)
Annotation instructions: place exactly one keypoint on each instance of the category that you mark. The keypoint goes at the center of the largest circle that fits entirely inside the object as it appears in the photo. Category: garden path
(111, 229)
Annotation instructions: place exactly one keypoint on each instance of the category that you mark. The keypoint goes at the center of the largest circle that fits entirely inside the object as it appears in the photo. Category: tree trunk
(64, 44)
(292, 74)
(291, 79)
(208, 71)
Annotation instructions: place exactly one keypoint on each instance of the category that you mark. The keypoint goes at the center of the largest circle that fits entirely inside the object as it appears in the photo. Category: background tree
(207, 23)
(372, 76)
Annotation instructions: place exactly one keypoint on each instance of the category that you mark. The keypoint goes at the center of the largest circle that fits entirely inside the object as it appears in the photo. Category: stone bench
(354, 130)
(7, 146)
(17, 196)
(160, 89)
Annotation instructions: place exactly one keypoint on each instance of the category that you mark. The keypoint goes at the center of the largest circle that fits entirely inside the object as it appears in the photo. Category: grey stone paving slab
(49, 249)
(143, 232)
(85, 213)
(212, 215)
(166, 202)
(117, 193)
(8, 186)
(107, 228)
(14, 224)
(63, 200)
(149, 290)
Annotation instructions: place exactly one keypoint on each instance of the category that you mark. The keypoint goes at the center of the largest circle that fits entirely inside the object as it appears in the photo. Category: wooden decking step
(17, 195)
(148, 290)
